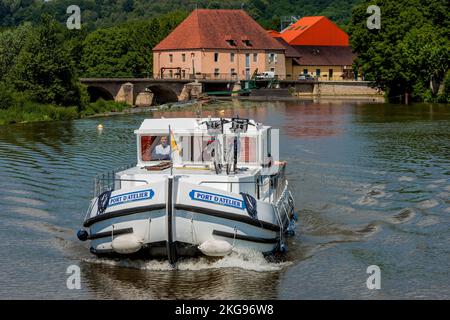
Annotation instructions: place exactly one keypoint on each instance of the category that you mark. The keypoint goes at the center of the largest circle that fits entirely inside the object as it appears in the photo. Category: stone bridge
(148, 91)
(145, 92)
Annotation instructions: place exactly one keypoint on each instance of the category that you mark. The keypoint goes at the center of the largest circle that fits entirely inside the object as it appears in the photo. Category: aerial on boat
(201, 186)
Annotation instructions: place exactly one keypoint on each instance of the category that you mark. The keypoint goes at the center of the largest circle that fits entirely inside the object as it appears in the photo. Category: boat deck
(247, 179)
(191, 170)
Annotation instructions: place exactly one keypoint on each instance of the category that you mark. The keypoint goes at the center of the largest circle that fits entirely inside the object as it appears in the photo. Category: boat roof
(187, 125)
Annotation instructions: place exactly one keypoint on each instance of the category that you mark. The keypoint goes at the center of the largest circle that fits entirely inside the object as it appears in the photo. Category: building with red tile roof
(318, 47)
(217, 44)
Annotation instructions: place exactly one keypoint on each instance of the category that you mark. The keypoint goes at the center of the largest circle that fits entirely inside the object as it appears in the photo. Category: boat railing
(272, 185)
(281, 182)
(109, 180)
(266, 186)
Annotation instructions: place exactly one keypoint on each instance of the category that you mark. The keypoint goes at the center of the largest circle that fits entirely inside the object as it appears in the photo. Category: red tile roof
(316, 31)
(274, 33)
(210, 29)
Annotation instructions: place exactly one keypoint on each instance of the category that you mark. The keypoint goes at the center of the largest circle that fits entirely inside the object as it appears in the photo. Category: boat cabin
(234, 155)
(187, 142)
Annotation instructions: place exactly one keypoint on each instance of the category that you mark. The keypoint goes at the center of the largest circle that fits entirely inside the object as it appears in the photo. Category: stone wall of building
(346, 88)
(331, 88)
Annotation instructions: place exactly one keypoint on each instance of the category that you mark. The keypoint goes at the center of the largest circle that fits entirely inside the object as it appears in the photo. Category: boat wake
(241, 258)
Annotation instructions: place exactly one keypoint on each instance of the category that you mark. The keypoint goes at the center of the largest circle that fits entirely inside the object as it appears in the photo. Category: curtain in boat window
(248, 150)
(146, 148)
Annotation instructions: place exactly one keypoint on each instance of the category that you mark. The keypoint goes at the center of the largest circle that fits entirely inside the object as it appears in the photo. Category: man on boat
(162, 150)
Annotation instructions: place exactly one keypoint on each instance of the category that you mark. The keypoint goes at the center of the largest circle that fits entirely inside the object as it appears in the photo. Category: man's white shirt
(162, 151)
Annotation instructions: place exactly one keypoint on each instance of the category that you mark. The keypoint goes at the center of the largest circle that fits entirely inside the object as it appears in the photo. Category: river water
(371, 183)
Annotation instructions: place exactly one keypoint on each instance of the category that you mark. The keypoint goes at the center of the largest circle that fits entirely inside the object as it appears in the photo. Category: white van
(266, 75)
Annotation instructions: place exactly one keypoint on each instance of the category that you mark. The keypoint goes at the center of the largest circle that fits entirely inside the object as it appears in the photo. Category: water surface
(371, 182)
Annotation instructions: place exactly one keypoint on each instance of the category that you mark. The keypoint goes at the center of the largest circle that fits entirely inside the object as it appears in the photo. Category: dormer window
(247, 42)
(229, 39)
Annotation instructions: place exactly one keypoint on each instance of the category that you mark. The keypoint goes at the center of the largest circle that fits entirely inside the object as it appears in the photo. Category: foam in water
(371, 194)
(376, 193)
(26, 201)
(369, 230)
(246, 259)
(21, 192)
(39, 226)
(406, 179)
(428, 221)
(32, 212)
(366, 201)
(403, 216)
(428, 204)
(444, 195)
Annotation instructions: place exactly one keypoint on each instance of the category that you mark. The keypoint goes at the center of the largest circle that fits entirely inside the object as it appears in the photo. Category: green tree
(7, 96)
(44, 68)
(108, 13)
(107, 53)
(409, 53)
(126, 50)
(446, 89)
(11, 43)
(74, 44)
(128, 5)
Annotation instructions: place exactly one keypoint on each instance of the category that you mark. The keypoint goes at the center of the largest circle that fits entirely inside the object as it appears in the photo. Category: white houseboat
(200, 186)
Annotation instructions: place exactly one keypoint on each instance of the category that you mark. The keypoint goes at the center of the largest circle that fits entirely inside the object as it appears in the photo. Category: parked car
(305, 76)
(265, 75)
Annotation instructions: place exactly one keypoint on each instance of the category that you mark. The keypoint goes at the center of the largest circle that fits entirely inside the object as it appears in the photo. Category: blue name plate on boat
(131, 197)
(217, 199)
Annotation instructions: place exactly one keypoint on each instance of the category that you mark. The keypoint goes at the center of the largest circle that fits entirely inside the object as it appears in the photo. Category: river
(371, 182)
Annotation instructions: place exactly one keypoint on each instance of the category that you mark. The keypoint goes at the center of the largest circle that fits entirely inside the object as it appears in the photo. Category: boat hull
(172, 218)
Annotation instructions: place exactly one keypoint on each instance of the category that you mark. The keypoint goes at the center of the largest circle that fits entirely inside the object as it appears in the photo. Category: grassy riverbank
(29, 111)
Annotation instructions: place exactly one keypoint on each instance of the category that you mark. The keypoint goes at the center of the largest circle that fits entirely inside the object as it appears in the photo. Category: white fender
(215, 248)
(127, 243)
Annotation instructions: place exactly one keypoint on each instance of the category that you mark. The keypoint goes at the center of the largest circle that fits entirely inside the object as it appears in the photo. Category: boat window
(155, 148)
(247, 151)
(193, 148)
(199, 149)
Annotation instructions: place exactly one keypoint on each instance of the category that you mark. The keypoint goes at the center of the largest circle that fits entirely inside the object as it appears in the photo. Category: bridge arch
(97, 92)
(163, 94)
